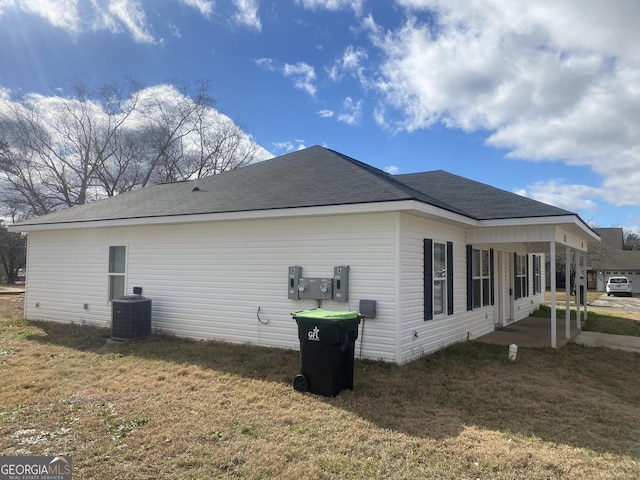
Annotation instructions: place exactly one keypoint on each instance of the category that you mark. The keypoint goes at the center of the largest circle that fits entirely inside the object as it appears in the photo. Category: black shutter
(469, 277)
(491, 277)
(516, 280)
(428, 278)
(449, 278)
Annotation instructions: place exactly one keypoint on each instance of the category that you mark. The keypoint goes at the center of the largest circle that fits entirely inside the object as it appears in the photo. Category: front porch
(531, 332)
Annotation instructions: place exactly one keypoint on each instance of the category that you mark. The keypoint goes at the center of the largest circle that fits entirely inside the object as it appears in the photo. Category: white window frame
(481, 276)
(439, 280)
(521, 274)
(116, 271)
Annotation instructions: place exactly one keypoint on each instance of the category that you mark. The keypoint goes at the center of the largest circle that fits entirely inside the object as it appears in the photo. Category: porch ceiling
(535, 236)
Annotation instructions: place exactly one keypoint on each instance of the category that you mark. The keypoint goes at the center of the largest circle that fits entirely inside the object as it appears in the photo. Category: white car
(619, 286)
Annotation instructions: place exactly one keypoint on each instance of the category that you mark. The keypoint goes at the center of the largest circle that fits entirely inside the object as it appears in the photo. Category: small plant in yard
(177, 409)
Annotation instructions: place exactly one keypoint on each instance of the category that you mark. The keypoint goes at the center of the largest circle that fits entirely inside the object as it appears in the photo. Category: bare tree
(631, 241)
(13, 253)
(62, 151)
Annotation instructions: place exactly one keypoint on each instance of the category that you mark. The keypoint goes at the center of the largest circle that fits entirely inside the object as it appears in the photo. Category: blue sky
(539, 98)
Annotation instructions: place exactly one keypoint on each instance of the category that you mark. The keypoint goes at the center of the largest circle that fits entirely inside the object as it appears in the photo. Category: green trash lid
(321, 313)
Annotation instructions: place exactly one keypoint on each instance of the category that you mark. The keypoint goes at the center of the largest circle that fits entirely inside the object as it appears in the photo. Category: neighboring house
(444, 258)
(609, 259)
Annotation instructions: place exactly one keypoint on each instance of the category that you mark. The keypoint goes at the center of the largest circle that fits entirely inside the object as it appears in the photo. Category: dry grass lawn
(166, 408)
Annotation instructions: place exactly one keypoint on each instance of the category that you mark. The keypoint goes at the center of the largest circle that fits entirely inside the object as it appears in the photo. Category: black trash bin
(581, 298)
(327, 345)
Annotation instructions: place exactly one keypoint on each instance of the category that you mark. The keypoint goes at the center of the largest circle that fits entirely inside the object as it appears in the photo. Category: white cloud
(117, 16)
(247, 14)
(59, 13)
(326, 113)
(570, 197)
(547, 80)
(289, 146)
(265, 63)
(392, 169)
(303, 76)
(351, 112)
(205, 7)
(130, 14)
(333, 5)
(350, 63)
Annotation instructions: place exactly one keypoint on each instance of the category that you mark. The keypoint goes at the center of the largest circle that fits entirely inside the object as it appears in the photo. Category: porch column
(583, 262)
(567, 284)
(552, 267)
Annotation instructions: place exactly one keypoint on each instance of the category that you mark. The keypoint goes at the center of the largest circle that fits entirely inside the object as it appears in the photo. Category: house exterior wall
(208, 280)
(228, 280)
(417, 336)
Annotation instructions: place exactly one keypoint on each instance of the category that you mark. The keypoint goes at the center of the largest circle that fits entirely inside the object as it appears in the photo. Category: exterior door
(504, 289)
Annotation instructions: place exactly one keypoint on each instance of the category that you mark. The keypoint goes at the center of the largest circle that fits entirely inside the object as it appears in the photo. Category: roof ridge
(397, 183)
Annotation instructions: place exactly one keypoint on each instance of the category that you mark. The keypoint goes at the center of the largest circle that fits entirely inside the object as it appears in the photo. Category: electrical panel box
(294, 280)
(316, 288)
(368, 308)
(341, 283)
(319, 288)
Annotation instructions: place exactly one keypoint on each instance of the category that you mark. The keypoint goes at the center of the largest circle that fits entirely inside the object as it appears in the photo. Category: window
(480, 274)
(117, 270)
(537, 284)
(438, 278)
(521, 266)
(481, 278)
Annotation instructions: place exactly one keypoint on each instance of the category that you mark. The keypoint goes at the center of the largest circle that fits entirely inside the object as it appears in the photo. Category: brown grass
(174, 409)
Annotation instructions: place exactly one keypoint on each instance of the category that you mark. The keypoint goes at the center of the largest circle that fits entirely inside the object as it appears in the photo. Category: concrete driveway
(630, 304)
(618, 342)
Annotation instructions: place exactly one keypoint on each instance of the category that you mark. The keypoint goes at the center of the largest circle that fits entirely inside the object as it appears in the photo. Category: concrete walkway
(531, 332)
(616, 342)
(11, 289)
(536, 332)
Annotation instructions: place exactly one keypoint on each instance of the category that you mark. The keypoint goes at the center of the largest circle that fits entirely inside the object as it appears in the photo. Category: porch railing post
(552, 267)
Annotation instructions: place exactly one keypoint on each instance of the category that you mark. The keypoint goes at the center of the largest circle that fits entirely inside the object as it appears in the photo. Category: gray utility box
(316, 288)
(319, 288)
(130, 317)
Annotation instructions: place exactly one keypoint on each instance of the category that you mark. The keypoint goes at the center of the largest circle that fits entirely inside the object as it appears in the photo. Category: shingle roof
(478, 200)
(611, 238)
(315, 176)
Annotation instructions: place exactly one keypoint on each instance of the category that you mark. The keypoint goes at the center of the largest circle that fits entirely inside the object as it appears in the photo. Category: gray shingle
(478, 200)
(315, 176)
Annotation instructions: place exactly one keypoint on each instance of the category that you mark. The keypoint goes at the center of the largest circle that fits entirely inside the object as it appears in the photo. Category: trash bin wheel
(300, 383)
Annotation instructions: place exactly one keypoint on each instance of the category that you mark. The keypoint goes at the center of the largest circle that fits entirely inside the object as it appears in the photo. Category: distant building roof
(611, 238)
(609, 254)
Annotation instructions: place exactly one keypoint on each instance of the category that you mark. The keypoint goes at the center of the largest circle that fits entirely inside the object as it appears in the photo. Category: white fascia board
(361, 208)
(560, 220)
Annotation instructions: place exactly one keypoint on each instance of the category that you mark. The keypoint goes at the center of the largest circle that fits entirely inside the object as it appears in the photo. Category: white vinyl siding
(208, 280)
(417, 336)
(212, 280)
